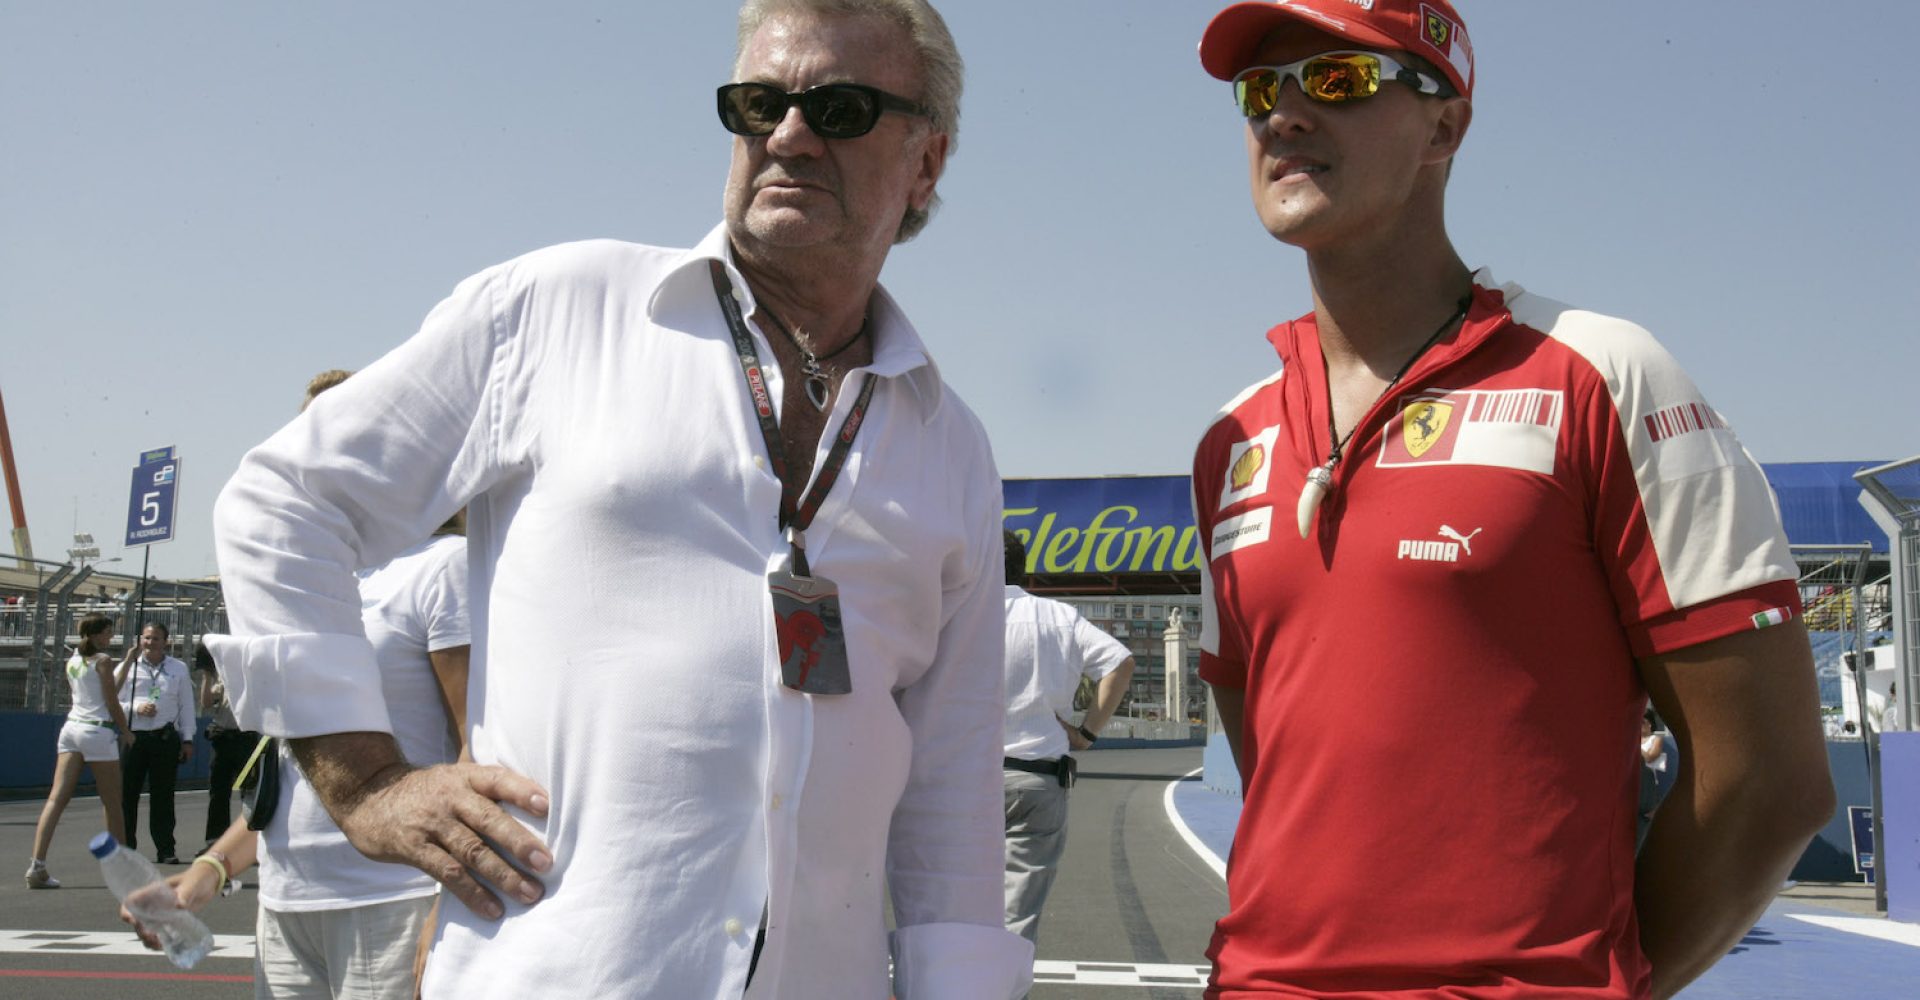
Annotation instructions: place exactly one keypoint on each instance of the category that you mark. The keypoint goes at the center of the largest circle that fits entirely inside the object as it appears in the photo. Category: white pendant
(1319, 481)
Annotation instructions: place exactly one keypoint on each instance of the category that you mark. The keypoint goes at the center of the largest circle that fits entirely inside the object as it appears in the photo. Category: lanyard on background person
(806, 606)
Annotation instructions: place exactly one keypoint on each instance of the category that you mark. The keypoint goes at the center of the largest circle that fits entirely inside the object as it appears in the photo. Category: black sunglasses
(832, 110)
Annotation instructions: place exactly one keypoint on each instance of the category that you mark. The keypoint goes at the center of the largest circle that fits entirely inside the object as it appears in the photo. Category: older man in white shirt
(159, 697)
(737, 625)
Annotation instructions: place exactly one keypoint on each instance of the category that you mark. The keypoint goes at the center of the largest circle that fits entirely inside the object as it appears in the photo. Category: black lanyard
(795, 513)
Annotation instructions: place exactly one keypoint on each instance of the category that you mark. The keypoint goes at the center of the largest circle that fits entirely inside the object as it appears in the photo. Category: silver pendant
(816, 384)
(1319, 481)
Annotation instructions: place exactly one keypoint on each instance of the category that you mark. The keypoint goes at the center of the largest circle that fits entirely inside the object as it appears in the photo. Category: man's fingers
(480, 857)
(498, 784)
(502, 785)
(449, 872)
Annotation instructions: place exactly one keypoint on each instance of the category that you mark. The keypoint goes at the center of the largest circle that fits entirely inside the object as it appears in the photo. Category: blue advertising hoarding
(1144, 524)
(1124, 524)
(150, 502)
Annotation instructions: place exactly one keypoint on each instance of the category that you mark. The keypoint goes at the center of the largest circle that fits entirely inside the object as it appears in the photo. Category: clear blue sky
(205, 203)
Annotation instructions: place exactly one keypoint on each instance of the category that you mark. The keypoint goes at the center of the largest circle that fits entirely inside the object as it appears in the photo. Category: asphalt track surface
(1128, 919)
(1133, 903)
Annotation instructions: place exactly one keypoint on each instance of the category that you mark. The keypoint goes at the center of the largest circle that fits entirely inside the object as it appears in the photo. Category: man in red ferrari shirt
(1473, 511)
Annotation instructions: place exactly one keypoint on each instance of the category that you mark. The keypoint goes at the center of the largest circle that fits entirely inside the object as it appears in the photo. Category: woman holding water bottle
(95, 731)
(333, 923)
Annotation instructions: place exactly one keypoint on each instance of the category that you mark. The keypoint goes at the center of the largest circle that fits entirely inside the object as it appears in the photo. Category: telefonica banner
(1122, 524)
(1144, 524)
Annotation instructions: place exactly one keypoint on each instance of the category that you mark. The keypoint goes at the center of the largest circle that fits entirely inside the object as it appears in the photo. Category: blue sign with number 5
(150, 503)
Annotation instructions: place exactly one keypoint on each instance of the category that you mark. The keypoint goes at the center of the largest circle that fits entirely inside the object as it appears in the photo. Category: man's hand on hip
(444, 820)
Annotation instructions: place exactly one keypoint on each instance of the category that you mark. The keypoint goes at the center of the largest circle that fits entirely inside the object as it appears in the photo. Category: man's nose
(1292, 110)
(793, 136)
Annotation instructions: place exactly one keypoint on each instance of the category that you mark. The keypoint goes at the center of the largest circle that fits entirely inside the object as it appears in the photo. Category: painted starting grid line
(1119, 974)
(239, 946)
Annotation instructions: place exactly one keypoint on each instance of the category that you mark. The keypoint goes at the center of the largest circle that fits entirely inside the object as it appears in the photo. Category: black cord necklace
(819, 387)
(1320, 478)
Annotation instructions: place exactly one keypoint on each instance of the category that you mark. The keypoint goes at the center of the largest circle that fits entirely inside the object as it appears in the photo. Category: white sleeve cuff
(299, 685)
(950, 961)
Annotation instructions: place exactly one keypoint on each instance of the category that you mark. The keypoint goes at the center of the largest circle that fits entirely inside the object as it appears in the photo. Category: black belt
(1062, 768)
(1054, 766)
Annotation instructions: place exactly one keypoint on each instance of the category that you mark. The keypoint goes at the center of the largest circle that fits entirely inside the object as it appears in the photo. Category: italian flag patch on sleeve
(1771, 617)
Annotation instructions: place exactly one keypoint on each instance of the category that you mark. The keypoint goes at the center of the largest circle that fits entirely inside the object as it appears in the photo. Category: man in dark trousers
(159, 699)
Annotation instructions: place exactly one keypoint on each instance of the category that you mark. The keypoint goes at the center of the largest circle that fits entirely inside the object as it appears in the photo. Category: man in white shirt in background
(159, 697)
(710, 762)
(1049, 649)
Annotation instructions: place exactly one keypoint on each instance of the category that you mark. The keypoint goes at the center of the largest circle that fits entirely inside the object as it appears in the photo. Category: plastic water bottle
(184, 937)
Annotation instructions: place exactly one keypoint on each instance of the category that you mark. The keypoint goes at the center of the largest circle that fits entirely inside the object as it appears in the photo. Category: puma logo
(1466, 540)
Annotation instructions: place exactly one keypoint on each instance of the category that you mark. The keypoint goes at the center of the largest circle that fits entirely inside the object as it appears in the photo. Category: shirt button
(776, 800)
(733, 927)
(760, 462)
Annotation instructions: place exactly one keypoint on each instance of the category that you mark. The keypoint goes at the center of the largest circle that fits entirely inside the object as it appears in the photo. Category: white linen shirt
(1049, 648)
(586, 403)
(168, 686)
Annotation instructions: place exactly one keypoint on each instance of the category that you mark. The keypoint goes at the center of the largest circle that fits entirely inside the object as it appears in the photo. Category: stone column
(1175, 638)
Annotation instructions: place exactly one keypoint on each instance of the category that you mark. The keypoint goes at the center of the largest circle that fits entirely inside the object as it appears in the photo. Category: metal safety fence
(39, 627)
(1893, 492)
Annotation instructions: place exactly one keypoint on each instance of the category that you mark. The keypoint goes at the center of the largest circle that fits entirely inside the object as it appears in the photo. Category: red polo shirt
(1441, 704)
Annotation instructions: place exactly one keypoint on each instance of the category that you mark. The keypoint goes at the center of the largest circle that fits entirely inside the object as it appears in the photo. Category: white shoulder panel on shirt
(1713, 518)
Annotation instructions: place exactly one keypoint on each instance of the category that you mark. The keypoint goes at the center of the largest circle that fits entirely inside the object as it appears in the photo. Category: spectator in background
(333, 923)
(93, 735)
(159, 696)
(1050, 648)
(231, 744)
(1660, 764)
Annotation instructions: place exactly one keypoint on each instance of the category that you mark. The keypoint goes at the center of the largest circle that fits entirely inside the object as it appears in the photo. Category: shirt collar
(1298, 342)
(897, 347)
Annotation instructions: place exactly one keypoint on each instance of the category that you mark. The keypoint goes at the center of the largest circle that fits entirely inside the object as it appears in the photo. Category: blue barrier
(1829, 858)
(27, 741)
(1900, 796)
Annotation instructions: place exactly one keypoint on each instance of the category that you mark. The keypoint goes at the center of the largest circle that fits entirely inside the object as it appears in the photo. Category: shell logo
(1247, 467)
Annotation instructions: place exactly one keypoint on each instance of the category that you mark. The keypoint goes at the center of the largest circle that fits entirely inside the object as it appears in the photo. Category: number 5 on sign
(150, 505)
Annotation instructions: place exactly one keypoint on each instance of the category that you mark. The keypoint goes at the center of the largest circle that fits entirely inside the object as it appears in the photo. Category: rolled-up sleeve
(947, 850)
(369, 469)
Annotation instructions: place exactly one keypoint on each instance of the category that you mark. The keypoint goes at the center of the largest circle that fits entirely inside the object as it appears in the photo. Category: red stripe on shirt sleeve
(1709, 620)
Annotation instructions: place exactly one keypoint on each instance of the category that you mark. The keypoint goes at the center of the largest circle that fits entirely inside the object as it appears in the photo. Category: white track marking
(1873, 927)
(1186, 833)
